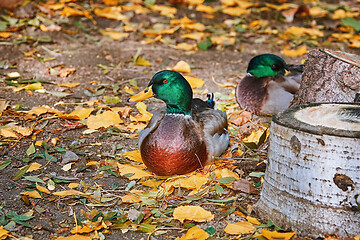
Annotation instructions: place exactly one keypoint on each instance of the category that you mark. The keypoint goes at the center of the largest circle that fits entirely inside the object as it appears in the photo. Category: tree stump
(312, 180)
(329, 76)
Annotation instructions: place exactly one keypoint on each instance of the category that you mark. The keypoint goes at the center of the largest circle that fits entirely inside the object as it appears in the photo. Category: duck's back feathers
(214, 125)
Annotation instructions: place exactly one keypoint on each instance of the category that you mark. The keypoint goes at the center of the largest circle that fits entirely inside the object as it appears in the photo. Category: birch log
(329, 76)
(312, 181)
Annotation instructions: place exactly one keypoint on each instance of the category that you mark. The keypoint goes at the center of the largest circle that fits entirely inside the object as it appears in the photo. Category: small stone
(69, 156)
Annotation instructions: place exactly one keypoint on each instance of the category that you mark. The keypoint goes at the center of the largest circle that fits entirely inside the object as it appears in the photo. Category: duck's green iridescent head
(266, 65)
(174, 90)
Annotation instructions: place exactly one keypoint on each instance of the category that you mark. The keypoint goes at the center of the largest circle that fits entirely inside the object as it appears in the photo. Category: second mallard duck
(266, 89)
(184, 136)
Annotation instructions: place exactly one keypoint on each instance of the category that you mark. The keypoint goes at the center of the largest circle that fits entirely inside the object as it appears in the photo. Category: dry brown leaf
(193, 213)
(243, 185)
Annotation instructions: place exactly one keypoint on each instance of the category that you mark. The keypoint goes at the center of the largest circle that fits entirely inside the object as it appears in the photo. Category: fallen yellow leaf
(73, 184)
(70, 12)
(152, 183)
(182, 66)
(3, 233)
(195, 181)
(195, 82)
(254, 137)
(136, 171)
(33, 86)
(317, 12)
(341, 13)
(79, 114)
(68, 193)
(295, 52)
(32, 194)
(142, 62)
(68, 85)
(235, 11)
(195, 233)
(165, 11)
(130, 198)
(111, 2)
(5, 34)
(74, 237)
(205, 9)
(111, 13)
(65, 72)
(275, 235)
(239, 228)
(33, 167)
(195, 36)
(252, 220)
(133, 155)
(186, 46)
(89, 227)
(194, 213)
(105, 119)
(300, 31)
(43, 109)
(115, 35)
(42, 189)
(222, 40)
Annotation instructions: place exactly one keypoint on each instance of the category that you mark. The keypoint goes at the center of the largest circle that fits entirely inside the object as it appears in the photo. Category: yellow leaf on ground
(133, 155)
(222, 40)
(8, 133)
(184, 20)
(42, 189)
(182, 66)
(136, 171)
(3, 233)
(195, 26)
(33, 167)
(205, 9)
(281, 7)
(68, 193)
(32, 194)
(5, 34)
(115, 35)
(152, 183)
(165, 11)
(74, 237)
(187, 47)
(252, 220)
(195, 181)
(236, 11)
(317, 12)
(33, 86)
(111, 13)
(294, 52)
(136, 127)
(124, 111)
(142, 62)
(225, 172)
(275, 235)
(89, 227)
(79, 114)
(138, 9)
(105, 119)
(70, 12)
(68, 85)
(195, 233)
(194, 213)
(195, 35)
(130, 198)
(239, 228)
(73, 184)
(254, 137)
(43, 109)
(111, 2)
(64, 72)
(67, 166)
(300, 31)
(357, 237)
(195, 82)
(341, 13)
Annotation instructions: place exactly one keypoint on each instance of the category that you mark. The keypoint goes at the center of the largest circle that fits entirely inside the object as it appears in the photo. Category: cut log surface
(312, 181)
(329, 76)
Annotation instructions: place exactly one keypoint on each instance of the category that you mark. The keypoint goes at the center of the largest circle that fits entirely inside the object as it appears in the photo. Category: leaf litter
(154, 205)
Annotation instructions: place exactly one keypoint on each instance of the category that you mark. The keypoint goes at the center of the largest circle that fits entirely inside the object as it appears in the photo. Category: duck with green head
(266, 89)
(184, 136)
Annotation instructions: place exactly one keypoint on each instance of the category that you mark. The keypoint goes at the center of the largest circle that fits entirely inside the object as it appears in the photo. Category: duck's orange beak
(144, 94)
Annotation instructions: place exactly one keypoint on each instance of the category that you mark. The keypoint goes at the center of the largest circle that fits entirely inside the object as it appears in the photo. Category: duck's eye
(165, 81)
(275, 67)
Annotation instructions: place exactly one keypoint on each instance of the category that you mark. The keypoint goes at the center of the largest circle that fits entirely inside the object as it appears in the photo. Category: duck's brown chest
(176, 146)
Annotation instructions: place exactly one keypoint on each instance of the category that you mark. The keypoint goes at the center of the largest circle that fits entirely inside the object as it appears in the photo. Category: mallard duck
(266, 89)
(183, 136)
